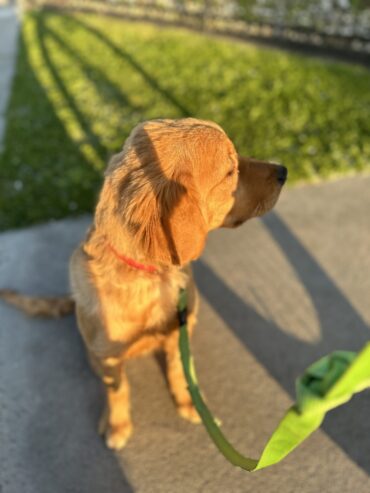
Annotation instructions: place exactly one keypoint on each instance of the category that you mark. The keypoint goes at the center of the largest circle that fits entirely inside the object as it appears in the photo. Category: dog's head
(176, 180)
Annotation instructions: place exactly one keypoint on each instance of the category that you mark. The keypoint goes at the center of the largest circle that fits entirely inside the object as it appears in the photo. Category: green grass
(83, 82)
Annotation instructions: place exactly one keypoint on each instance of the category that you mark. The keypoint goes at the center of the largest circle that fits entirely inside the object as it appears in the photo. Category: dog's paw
(188, 412)
(116, 436)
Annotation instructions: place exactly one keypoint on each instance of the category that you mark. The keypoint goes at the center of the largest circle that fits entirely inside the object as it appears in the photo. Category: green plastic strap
(328, 383)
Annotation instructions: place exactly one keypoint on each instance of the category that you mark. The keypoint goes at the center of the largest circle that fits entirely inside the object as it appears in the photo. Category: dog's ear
(164, 219)
(158, 197)
(183, 229)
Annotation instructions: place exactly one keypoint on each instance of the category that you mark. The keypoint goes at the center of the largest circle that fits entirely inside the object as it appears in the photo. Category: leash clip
(182, 308)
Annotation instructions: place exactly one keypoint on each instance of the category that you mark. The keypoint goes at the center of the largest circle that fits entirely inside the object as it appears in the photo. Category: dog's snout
(281, 174)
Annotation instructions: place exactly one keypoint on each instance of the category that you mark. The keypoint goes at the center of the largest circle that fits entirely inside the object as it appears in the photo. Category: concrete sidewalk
(277, 294)
(9, 26)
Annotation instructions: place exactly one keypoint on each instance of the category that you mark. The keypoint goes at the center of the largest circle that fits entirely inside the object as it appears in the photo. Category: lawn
(84, 81)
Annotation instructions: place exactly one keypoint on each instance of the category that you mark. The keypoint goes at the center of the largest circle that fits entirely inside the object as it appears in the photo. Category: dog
(173, 182)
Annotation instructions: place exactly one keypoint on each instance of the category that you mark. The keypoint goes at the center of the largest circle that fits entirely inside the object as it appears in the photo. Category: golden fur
(173, 182)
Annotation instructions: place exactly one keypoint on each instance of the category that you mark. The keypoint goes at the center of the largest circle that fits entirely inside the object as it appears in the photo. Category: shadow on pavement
(61, 448)
(285, 356)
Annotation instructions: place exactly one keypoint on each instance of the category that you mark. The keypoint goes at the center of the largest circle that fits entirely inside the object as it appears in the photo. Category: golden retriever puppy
(173, 182)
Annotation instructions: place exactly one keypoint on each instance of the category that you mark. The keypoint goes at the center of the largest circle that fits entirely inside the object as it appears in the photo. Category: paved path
(8, 47)
(276, 294)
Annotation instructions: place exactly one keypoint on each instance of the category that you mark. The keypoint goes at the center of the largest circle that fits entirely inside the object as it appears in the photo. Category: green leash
(328, 383)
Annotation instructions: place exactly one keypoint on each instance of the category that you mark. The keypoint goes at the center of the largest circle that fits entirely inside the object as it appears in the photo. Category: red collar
(132, 263)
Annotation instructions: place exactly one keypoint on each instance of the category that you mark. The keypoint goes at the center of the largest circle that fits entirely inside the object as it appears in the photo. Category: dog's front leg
(115, 423)
(176, 377)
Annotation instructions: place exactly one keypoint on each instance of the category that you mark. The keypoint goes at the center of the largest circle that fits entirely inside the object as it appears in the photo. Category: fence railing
(312, 23)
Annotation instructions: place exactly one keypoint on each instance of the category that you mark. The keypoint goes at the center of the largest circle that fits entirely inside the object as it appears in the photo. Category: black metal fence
(339, 25)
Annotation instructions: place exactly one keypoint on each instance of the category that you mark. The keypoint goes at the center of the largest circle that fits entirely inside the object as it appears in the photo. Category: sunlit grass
(83, 82)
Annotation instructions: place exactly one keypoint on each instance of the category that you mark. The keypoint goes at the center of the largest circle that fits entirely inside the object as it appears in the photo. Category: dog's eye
(231, 173)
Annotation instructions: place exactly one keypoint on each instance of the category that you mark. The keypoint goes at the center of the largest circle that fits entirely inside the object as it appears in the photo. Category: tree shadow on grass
(119, 51)
(92, 137)
(55, 174)
(283, 355)
(115, 92)
(32, 159)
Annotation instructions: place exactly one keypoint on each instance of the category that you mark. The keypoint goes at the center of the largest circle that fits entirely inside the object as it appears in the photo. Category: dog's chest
(146, 305)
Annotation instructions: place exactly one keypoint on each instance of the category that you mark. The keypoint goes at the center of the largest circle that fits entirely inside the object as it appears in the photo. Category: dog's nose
(281, 174)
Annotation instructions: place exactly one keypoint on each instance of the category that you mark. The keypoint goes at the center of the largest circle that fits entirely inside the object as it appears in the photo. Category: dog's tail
(37, 306)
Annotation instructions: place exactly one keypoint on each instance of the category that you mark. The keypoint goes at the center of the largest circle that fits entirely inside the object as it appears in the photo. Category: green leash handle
(326, 384)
